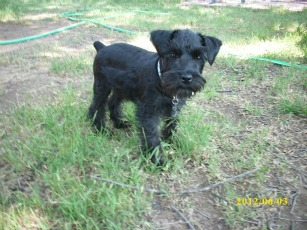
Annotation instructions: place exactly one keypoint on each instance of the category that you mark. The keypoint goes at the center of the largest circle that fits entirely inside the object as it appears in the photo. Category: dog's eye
(172, 55)
(197, 55)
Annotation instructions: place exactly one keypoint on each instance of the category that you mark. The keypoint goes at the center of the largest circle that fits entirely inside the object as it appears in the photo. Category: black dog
(158, 83)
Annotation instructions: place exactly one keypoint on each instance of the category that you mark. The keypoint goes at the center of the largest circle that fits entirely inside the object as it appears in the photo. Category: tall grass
(10, 10)
(63, 141)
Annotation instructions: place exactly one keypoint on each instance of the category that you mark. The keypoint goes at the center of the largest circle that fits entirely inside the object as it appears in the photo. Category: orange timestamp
(261, 201)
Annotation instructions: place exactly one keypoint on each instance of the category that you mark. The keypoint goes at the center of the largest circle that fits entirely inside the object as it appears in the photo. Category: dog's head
(183, 54)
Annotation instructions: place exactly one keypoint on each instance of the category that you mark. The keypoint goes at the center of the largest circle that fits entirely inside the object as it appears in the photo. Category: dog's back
(122, 56)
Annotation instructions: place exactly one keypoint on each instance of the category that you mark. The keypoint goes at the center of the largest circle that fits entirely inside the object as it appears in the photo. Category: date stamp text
(261, 201)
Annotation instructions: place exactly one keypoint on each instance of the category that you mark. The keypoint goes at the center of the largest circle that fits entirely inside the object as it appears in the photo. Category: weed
(302, 43)
(296, 106)
(70, 65)
(10, 10)
(253, 109)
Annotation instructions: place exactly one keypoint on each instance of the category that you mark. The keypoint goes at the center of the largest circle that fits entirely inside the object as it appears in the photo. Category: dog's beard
(173, 86)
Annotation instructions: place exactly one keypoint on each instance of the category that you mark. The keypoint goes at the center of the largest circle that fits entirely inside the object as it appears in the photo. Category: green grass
(60, 137)
(73, 152)
(10, 10)
(70, 65)
(216, 135)
(253, 109)
(290, 88)
(295, 106)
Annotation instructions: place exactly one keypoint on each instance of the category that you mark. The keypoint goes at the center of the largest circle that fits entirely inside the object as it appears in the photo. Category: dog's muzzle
(186, 78)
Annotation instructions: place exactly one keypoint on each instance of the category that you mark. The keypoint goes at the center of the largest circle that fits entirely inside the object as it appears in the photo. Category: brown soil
(291, 5)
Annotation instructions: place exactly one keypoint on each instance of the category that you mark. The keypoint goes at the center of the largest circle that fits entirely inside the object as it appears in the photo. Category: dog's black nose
(186, 78)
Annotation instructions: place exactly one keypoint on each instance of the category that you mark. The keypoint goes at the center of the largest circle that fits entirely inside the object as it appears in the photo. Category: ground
(26, 78)
(264, 4)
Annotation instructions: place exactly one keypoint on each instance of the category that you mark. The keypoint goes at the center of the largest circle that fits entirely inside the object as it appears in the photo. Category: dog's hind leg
(114, 104)
(97, 109)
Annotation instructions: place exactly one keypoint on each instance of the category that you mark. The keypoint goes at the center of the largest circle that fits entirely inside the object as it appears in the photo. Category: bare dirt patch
(25, 67)
(288, 136)
(255, 4)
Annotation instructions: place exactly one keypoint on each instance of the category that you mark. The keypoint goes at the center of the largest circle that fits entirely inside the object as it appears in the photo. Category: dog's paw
(122, 125)
(157, 160)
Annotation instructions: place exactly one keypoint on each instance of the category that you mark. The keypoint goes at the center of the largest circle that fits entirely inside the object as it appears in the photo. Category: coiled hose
(72, 15)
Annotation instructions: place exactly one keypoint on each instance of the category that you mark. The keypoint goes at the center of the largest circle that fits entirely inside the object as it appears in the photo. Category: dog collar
(175, 109)
(175, 99)
(159, 68)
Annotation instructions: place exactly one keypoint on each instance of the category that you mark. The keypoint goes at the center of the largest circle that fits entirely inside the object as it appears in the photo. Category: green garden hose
(277, 62)
(71, 15)
(40, 35)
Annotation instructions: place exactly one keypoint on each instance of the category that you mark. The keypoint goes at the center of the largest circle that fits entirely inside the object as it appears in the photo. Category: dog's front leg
(171, 119)
(149, 135)
(169, 128)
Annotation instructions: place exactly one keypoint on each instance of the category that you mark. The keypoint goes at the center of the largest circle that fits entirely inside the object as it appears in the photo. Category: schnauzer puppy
(158, 83)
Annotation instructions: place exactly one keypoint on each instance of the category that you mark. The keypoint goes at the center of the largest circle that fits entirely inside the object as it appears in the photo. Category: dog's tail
(98, 45)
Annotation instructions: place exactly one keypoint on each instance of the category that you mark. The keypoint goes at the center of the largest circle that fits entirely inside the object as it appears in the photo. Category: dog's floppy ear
(161, 38)
(213, 46)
